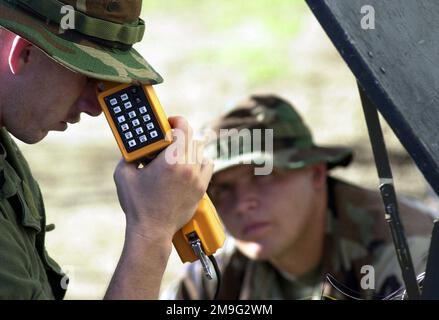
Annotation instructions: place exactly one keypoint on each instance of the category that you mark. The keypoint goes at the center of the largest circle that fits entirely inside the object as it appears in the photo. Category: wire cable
(399, 294)
(218, 276)
(332, 281)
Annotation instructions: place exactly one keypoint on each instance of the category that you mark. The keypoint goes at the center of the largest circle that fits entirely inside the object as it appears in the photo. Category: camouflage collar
(8, 186)
(13, 184)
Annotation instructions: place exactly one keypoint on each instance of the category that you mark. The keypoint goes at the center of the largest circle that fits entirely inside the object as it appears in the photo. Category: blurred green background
(211, 54)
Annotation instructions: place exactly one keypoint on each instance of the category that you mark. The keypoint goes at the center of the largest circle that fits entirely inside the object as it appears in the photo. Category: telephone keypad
(134, 118)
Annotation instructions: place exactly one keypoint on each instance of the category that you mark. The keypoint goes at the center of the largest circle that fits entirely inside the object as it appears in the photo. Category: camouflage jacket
(26, 270)
(359, 259)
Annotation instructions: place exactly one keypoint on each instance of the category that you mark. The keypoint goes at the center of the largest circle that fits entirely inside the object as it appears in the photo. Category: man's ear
(319, 174)
(19, 54)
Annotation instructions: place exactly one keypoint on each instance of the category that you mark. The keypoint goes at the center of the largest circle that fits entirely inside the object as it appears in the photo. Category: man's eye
(218, 191)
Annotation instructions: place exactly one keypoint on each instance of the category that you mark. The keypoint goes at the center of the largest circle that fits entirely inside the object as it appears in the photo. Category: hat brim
(290, 159)
(76, 52)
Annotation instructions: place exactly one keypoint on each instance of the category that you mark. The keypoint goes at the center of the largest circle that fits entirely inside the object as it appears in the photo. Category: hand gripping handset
(141, 129)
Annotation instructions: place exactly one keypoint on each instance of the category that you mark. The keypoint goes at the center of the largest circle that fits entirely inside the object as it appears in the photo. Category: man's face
(266, 214)
(45, 96)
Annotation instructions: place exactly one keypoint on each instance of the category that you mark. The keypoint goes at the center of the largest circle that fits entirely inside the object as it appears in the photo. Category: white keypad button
(124, 127)
(128, 105)
(113, 101)
(121, 119)
(146, 117)
(132, 114)
(142, 138)
(124, 97)
(135, 122)
(153, 134)
(132, 143)
(117, 110)
(150, 126)
(128, 135)
(139, 130)
(142, 110)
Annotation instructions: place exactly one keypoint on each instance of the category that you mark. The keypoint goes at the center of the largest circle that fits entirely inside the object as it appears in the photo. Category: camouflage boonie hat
(100, 44)
(293, 146)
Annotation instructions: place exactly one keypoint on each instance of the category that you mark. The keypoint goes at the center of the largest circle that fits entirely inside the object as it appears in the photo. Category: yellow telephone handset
(141, 129)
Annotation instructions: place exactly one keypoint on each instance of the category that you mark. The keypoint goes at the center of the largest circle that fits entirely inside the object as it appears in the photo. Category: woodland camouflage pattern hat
(293, 145)
(100, 44)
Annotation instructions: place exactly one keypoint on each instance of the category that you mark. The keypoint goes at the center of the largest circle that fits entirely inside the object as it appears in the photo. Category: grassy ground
(211, 54)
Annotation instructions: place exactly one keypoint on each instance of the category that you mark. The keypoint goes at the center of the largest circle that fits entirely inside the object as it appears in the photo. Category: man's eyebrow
(216, 182)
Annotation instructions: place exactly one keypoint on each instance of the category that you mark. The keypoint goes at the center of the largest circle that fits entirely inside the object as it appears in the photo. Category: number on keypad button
(142, 110)
(128, 135)
(132, 114)
(153, 134)
(132, 143)
(135, 122)
(128, 105)
(142, 138)
(124, 97)
(117, 110)
(150, 126)
(139, 130)
(113, 101)
(121, 119)
(146, 118)
(124, 127)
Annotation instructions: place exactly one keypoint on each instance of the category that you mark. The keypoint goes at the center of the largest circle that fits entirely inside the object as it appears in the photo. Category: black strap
(430, 289)
(389, 195)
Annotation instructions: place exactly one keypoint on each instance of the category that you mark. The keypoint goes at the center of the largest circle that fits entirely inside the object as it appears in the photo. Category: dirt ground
(206, 69)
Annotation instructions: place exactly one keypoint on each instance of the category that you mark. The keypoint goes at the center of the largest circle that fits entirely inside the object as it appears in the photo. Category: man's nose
(246, 201)
(88, 102)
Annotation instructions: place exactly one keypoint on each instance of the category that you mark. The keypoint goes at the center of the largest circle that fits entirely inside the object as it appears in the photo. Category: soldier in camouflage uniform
(298, 233)
(51, 57)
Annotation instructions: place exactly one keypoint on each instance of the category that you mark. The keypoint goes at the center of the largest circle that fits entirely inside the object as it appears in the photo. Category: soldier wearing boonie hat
(297, 233)
(51, 54)
(99, 45)
(293, 146)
